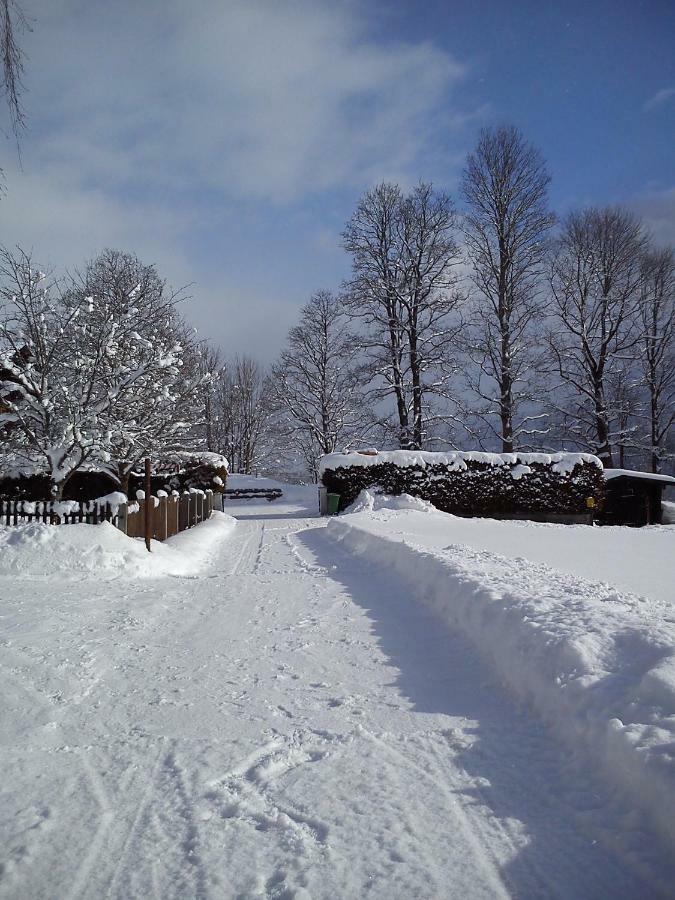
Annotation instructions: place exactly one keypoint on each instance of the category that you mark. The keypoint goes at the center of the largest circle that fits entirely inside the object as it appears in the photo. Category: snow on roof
(456, 460)
(632, 473)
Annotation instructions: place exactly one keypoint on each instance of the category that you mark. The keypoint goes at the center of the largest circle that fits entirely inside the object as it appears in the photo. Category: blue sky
(228, 142)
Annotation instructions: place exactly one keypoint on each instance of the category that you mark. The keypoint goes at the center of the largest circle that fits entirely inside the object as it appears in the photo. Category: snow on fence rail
(169, 514)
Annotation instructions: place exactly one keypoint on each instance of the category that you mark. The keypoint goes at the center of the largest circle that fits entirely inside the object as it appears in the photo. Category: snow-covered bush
(98, 368)
(475, 484)
(185, 470)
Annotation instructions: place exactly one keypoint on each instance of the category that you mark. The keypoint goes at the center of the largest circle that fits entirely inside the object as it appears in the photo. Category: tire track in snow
(84, 871)
(248, 558)
(178, 824)
(133, 828)
(163, 818)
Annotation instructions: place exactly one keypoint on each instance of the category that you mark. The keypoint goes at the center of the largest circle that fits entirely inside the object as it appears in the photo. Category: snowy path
(287, 725)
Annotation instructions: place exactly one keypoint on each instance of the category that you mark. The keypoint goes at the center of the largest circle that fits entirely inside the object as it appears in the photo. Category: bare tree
(242, 397)
(12, 20)
(315, 383)
(404, 290)
(210, 364)
(626, 408)
(595, 279)
(506, 226)
(657, 347)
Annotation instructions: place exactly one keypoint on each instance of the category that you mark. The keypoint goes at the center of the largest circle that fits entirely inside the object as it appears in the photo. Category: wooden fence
(168, 514)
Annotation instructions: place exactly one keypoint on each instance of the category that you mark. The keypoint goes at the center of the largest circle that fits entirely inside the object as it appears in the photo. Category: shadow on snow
(574, 838)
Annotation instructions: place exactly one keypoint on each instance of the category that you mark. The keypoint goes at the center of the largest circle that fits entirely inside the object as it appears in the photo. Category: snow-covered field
(638, 560)
(272, 710)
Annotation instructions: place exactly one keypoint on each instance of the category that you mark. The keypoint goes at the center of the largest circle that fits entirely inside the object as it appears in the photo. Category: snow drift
(37, 550)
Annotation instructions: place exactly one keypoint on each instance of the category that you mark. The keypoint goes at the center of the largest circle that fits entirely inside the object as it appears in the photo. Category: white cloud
(657, 208)
(162, 127)
(257, 99)
(659, 98)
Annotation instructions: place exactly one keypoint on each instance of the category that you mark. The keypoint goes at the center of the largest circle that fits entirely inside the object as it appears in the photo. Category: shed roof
(610, 474)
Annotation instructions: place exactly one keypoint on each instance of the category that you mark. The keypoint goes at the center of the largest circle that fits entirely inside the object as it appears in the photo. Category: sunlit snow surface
(267, 711)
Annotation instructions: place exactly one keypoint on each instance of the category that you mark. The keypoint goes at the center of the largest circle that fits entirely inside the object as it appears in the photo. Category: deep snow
(103, 552)
(638, 560)
(283, 720)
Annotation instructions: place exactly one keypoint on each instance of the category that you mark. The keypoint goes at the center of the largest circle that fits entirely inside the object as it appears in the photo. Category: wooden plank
(184, 511)
(149, 504)
(160, 523)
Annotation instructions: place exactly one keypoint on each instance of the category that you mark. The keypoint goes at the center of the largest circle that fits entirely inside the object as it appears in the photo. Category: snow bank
(369, 501)
(562, 463)
(598, 664)
(67, 551)
(634, 560)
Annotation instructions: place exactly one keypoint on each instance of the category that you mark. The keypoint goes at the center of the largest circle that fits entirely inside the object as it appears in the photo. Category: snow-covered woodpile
(473, 484)
(184, 471)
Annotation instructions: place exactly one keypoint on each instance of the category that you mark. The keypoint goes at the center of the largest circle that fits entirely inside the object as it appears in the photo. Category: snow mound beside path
(369, 501)
(596, 663)
(37, 550)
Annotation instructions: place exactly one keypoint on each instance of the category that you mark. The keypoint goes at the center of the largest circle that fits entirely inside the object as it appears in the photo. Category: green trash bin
(333, 504)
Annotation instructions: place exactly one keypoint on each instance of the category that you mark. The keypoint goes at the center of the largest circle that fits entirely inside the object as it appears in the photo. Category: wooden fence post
(148, 505)
(122, 517)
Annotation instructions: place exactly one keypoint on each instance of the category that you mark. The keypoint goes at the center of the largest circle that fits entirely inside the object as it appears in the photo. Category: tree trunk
(505, 380)
(654, 418)
(124, 481)
(604, 450)
(417, 435)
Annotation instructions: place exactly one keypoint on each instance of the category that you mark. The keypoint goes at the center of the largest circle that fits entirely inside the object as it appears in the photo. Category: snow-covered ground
(638, 560)
(596, 661)
(278, 716)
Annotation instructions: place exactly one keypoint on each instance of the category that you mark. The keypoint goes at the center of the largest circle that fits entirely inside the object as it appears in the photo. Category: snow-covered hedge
(484, 484)
(180, 470)
(85, 484)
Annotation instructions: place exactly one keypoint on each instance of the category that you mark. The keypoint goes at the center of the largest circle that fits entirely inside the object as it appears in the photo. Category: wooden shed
(634, 498)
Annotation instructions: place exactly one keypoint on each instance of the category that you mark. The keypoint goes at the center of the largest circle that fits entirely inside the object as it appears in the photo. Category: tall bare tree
(315, 383)
(12, 20)
(404, 289)
(596, 277)
(210, 364)
(657, 348)
(242, 413)
(506, 226)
